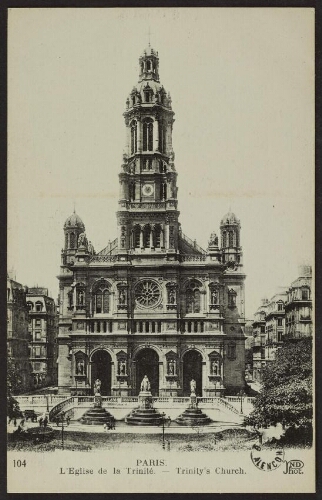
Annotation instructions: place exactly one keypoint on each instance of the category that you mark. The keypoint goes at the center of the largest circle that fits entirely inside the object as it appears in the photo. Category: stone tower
(148, 215)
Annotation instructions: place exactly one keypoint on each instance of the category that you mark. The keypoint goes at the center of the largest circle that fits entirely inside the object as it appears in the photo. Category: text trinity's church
(152, 302)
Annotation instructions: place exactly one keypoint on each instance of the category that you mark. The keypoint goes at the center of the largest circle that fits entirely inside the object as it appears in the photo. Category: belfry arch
(101, 368)
(192, 369)
(147, 363)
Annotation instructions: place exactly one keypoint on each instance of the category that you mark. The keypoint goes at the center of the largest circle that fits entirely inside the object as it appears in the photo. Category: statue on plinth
(97, 393)
(145, 384)
(145, 396)
(193, 386)
(97, 387)
(193, 397)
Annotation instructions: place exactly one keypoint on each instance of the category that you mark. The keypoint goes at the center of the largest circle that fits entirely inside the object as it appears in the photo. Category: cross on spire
(149, 36)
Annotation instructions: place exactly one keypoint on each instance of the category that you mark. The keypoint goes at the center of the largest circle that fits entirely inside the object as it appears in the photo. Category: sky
(242, 88)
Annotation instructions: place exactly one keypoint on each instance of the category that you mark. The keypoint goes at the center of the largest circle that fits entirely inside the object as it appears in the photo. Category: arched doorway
(192, 369)
(147, 363)
(101, 368)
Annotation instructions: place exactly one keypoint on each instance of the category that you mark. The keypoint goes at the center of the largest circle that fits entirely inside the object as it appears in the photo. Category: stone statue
(172, 297)
(214, 368)
(97, 387)
(145, 384)
(171, 367)
(214, 295)
(193, 386)
(122, 367)
(91, 248)
(82, 240)
(213, 241)
(80, 367)
(122, 297)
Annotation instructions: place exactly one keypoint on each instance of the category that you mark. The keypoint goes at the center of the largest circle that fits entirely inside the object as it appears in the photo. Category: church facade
(152, 302)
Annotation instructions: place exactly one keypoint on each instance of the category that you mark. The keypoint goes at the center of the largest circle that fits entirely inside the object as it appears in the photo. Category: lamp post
(163, 420)
(241, 401)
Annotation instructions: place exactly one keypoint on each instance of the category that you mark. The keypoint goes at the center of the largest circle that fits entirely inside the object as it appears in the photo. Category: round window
(147, 293)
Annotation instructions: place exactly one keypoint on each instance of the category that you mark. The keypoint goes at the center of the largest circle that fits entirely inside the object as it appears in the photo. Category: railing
(103, 258)
(192, 243)
(236, 399)
(193, 258)
(56, 410)
(227, 405)
(33, 400)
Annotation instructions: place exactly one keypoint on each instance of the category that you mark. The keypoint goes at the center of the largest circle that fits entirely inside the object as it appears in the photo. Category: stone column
(161, 376)
(141, 236)
(204, 378)
(151, 237)
(139, 136)
(128, 139)
(162, 236)
(166, 231)
(156, 135)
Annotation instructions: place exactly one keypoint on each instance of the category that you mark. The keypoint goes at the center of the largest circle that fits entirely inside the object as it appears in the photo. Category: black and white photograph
(160, 281)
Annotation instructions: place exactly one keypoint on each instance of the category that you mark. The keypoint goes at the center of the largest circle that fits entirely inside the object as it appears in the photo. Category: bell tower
(148, 216)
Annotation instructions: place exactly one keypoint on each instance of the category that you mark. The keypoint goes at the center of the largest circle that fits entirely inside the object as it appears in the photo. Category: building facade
(298, 307)
(152, 302)
(287, 316)
(17, 335)
(43, 329)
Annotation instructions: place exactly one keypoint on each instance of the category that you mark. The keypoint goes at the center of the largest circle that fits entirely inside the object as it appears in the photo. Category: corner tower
(148, 216)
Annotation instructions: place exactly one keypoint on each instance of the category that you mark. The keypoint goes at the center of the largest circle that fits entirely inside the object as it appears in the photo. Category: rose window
(147, 293)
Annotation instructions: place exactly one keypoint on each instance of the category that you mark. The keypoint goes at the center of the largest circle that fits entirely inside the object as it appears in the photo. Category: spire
(149, 64)
(149, 36)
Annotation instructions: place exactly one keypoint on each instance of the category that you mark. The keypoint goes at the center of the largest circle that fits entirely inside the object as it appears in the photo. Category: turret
(74, 230)
(230, 240)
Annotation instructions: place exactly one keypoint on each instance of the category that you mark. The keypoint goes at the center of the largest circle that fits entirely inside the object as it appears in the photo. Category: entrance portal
(192, 369)
(101, 368)
(147, 363)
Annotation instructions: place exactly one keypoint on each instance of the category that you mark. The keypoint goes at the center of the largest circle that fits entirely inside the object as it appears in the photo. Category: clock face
(148, 190)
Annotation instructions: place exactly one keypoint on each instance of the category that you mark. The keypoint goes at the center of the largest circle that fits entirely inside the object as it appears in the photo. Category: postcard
(160, 289)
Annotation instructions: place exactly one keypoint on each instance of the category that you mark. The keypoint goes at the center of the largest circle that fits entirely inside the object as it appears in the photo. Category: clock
(148, 190)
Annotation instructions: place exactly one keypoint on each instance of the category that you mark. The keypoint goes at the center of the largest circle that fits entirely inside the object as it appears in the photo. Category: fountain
(96, 415)
(193, 415)
(145, 414)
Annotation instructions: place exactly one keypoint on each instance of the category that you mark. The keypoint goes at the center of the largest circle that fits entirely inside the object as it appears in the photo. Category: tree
(286, 395)
(14, 380)
(13, 386)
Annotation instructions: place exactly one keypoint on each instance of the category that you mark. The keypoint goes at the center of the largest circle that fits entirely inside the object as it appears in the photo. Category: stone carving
(193, 386)
(97, 387)
(122, 367)
(82, 240)
(213, 241)
(80, 369)
(145, 384)
(171, 367)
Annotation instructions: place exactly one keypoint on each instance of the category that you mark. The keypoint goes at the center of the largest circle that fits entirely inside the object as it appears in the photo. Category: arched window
(66, 240)
(148, 65)
(146, 237)
(223, 239)
(231, 239)
(30, 306)
(39, 306)
(193, 297)
(157, 237)
(162, 137)
(148, 135)
(137, 234)
(132, 191)
(102, 300)
(163, 191)
(72, 240)
(133, 137)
